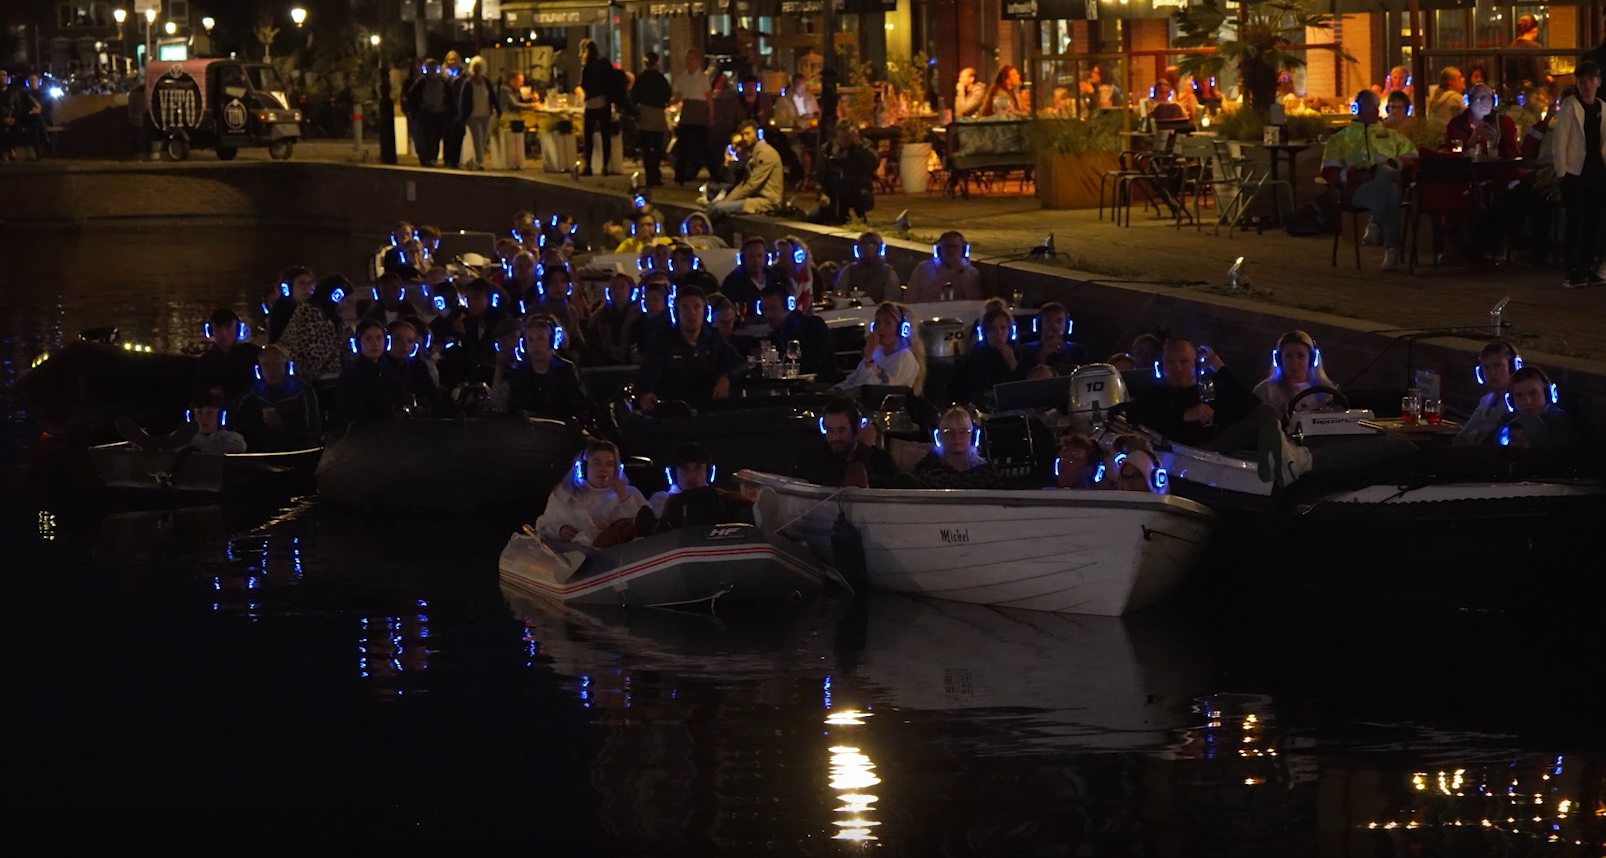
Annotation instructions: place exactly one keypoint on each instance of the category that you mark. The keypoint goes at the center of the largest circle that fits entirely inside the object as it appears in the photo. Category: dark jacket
(675, 369)
(368, 308)
(984, 369)
(417, 381)
(1160, 407)
(414, 101)
(645, 330)
(556, 394)
(814, 336)
(279, 317)
(741, 289)
(370, 390)
(597, 79)
(610, 334)
(818, 464)
(704, 280)
(232, 370)
(651, 89)
(300, 420)
(1069, 357)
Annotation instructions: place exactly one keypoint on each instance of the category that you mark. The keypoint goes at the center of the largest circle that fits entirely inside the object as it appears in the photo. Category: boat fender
(847, 552)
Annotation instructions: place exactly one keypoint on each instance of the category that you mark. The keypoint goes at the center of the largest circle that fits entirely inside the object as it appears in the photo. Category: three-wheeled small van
(220, 104)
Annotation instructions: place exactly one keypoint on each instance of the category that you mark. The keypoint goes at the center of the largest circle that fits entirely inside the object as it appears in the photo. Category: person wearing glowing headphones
(212, 435)
(997, 359)
(1482, 133)
(794, 269)
(612, 322)
(543, 383)
(869, 274)
(277, 411)
(787, 322)
(846, 453)
(1222, 415)
(954, 462)
(1296, 366)
(687, 270)
(369, 388)
(1080, 464)
(391, 303)
(313, 336)
(751, 273)
(1054, 352)
(692, 500)
(643, 234)
(594, 505)
(654, 321)
(1535, 420)
(293, 289)
(893, 353)
(949, 265)
(410, 360)
(1139, 471)
(1397, 115)
(694, 363)
(229, 362)
(1496, 362)
(1366, 162)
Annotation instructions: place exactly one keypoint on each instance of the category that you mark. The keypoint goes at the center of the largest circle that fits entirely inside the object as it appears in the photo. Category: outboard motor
(1095, 389)
(947, 341)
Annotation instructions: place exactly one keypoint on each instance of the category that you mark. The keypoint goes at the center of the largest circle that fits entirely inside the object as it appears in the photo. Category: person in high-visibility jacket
(1365, 162)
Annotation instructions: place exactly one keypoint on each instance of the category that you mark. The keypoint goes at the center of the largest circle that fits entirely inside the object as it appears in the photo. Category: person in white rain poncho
(591, 499)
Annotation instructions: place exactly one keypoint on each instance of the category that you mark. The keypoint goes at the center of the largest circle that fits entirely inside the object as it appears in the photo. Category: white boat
(689, 565)
(1083, 552)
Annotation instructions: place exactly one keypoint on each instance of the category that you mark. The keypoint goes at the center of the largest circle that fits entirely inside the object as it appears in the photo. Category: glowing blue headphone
(639, 201)
(1315, 355)
(981, 336)
(1098, 475)
(579, 471)
(289, 368)
(880, 250)
(905, 327)
(356, 344)
(496, 298)
(1550, 388)
(674, 485)
(1070, 324)
(1159, 371)
(635, 296)
(284, 289)
(791, 307)
(440, 303)
(936, 252)
(863, 422)
(975, 439)
(1515, 361)
(241, 332)
(1158, 479)
(338, 295)
(674, 316)
(222, 417)
(401, 293)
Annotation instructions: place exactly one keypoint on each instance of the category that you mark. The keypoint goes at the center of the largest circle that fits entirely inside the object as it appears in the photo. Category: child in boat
(211, 428)
(954, 463)
(594, 505)
(1080, 464)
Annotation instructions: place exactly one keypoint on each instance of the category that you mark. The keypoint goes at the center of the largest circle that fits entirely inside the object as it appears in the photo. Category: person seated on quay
(594, 505)
(314, 335)
(787, 322)
(1496, 363)
(1176, 407)
(212, 434)
(997, 359)
(845, 176)
(893, 353)
(612, 322)
(686, 269)
(869, 274)
(792, 266)
(760, 192)
(1366, 161)
(698, 231)
(541, 383)
(1450, 100)
(1080, 464)
(1054, 350)
(949, 265)
(653, 322)
(846, 453)
(693, 363)
(954, 462)
(750, 275)
(1296, 366)
(1397, 114)
(1139, 470)
(230, 360)
(387, 302)
(295, 287)
(395, 253)
(369, 388)
(410, 359)
(277, 411)
(1535, 421)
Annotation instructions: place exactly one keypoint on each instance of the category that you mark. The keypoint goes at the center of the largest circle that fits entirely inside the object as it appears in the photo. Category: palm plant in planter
(914, 122)
(1261, 48)
(1072, 155)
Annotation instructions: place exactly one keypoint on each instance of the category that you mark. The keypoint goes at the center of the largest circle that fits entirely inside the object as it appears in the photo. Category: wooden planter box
(1072, 181)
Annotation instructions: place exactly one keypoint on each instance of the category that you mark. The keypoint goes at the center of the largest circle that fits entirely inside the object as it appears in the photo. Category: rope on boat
(1149, 534)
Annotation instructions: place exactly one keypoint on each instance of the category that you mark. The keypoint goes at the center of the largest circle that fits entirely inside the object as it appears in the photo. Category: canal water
(276, 671)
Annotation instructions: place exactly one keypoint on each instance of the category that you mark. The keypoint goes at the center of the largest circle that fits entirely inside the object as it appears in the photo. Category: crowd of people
(511, 338)
(25, 107)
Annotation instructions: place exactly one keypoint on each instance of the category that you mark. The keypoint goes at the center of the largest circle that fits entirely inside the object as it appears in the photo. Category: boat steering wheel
(1333, 394)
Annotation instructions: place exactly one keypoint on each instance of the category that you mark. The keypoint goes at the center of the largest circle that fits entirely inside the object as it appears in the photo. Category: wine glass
(794, 350)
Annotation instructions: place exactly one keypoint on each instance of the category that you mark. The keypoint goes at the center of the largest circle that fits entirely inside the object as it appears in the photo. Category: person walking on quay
(1581, 170)
(651, 95)
(691, 91)
(429, 102)
(478, 103)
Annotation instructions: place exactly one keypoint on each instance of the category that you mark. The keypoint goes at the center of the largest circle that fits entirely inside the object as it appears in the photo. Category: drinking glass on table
(1433, 411)
(794, 351)
(1410, 408)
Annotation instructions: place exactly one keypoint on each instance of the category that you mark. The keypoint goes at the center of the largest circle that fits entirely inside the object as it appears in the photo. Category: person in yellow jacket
(1366, 163)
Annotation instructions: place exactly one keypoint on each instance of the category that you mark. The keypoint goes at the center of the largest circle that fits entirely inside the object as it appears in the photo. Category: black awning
(561, 13)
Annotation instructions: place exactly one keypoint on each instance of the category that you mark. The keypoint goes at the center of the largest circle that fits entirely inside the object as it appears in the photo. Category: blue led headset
(356, 343)
(579, 472)
(905, 327)
(241, 332)
(1277, 356)
(440, 303)
(674, 317)
(496, 298)
(284, 289)
(1157, 477)
(800, 254)
(1098, 475)
(674, 484)
(1551, 392)
(936, 252)
(338, 295)
(222, 417)
(639, 201)
(289, 369)
(1513, 359)
(863, 422)
(880, 250)
(975, 439)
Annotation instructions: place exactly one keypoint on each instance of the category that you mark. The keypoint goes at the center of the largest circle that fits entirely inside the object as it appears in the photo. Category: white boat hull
(1095, 552)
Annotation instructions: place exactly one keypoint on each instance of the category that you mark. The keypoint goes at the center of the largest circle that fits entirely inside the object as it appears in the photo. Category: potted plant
(1260, 43)
(1072, 156)
(914, 123)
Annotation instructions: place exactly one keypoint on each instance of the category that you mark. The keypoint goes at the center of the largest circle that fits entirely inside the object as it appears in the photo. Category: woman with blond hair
(893, 355)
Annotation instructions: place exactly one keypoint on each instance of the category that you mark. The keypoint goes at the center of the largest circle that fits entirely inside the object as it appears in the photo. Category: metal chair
(1246, 178)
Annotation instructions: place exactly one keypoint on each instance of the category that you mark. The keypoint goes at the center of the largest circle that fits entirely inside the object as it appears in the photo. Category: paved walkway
(1284, 271)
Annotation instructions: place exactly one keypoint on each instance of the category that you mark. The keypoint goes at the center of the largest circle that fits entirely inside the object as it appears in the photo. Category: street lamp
(121, 15)
(298, 15)
(374, 40)
(208, 23)
(150, 19)
(171, 28)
